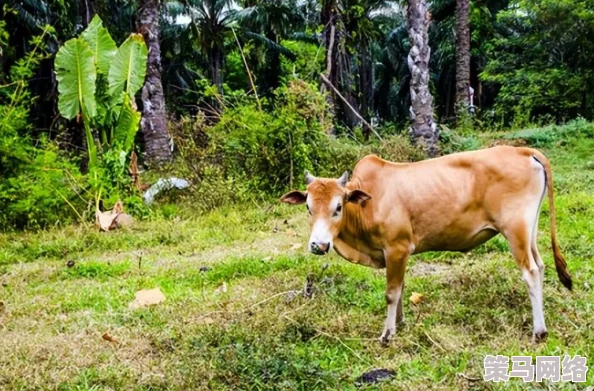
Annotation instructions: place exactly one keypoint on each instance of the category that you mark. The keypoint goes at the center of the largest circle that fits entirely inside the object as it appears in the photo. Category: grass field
(235, 316)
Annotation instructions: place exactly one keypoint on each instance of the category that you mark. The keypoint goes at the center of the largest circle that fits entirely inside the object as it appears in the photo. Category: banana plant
(97, 82)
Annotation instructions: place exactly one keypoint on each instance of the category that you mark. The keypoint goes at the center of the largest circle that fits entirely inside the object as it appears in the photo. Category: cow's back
(454, 202)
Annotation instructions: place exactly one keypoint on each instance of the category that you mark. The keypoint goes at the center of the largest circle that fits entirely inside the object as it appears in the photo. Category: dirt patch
(429, 269)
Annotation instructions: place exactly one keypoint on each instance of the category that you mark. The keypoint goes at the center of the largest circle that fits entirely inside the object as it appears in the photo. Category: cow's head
(325, 199)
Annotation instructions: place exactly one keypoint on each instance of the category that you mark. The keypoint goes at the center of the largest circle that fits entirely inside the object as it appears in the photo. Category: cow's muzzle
(319, 248)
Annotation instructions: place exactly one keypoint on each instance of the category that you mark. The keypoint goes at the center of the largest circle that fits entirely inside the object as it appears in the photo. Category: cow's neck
(355, 222)
(353, 242)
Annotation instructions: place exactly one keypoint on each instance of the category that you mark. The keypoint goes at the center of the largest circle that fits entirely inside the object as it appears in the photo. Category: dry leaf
(290, 232)
(221, 288)
(109, 338)
(416, 297)
(114, 218)
(105, 220)
(135, 174)
(266, 259)
(296, 246)
(147, 297)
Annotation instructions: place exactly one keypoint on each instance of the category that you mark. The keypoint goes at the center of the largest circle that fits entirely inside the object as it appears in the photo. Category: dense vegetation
(251, 93)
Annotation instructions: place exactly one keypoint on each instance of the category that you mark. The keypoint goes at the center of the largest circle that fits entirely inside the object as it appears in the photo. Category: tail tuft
(561, 267)
(560, 264)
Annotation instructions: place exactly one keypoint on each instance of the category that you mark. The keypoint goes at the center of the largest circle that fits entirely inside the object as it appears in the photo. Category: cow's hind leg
(534, 248)
(537, 258)
(522, 244)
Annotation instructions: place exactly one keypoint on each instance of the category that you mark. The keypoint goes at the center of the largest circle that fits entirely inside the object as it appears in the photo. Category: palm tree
(364, 20)
(181, 60)
(443, 55)
(267, 22)
(351, 30)
(423, 129)
(157, 147)
(119, 16)
(392, 84)
(462, 53)
(339, 69)
(210, 23)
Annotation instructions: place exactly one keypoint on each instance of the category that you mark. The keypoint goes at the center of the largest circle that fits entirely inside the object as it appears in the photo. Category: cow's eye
(338, 210)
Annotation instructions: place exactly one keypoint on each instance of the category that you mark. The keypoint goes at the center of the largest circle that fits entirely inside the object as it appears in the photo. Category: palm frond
(175, 8)
(305, 37)
(269, 44)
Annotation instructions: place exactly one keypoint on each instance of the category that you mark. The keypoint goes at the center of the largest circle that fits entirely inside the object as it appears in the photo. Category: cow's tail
(560, 263)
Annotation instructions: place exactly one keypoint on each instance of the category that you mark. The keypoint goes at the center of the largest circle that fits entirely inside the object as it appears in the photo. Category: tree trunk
(216, 64)
(328, 18)
(83, 11)
(366, 85)
(272, 81)
(338, 65)
(347, 84)
(89, 11)
(462, 53)
(448, 96)
(157, 149)
(423, 129)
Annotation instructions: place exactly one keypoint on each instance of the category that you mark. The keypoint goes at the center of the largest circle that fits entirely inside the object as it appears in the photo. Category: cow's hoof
(386, 337)
(539, 336)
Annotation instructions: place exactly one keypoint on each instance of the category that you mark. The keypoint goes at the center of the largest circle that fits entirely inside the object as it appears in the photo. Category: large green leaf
(128, 66)
(100, 43)
(76, 74)
(127, 126)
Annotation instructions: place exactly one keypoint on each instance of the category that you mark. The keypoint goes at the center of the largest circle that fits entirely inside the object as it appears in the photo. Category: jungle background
(233, 98)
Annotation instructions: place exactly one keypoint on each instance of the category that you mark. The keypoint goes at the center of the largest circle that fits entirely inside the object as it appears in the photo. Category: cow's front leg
(399, 312)
(395, 268)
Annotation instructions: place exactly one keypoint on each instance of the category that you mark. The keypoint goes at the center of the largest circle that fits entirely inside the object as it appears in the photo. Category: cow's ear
(295, 197)
(358, 196)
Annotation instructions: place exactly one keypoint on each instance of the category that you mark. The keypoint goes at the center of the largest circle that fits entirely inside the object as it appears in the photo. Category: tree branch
(367, 124)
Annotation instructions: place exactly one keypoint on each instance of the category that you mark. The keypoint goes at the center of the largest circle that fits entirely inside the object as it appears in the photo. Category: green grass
(262, 333)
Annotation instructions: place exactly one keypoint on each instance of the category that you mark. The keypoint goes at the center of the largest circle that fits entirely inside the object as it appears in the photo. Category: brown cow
(389, 211)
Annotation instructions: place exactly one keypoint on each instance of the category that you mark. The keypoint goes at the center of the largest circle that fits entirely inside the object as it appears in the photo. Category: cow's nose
(319, 248)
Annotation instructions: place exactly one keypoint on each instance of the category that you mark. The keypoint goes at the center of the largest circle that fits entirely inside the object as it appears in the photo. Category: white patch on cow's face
(324, 222)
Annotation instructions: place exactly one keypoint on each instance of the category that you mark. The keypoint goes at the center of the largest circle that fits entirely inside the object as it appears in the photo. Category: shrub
(199, 160)
(451, 141)
(540, 137)
(38, 186)
(268, 150)
(39, 191)
(251, 153)
(397, 148)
